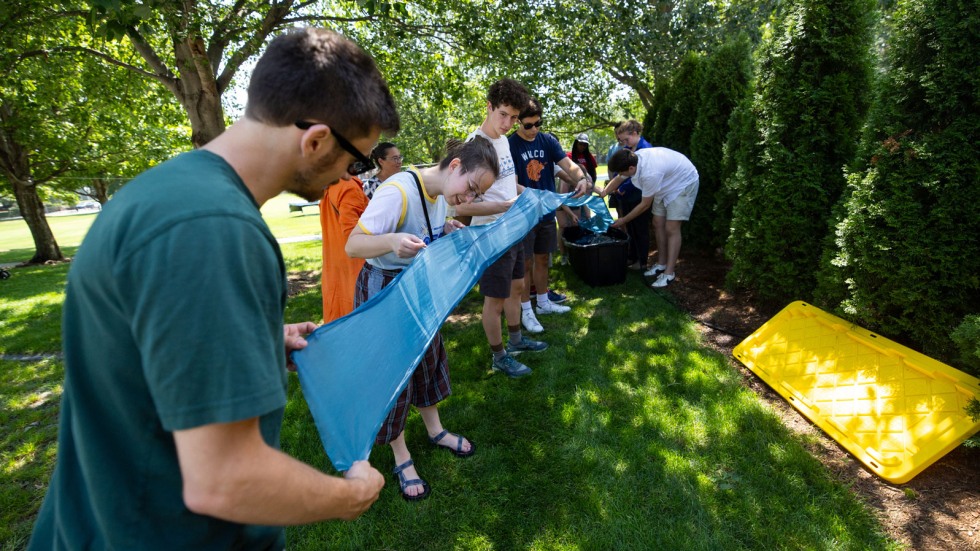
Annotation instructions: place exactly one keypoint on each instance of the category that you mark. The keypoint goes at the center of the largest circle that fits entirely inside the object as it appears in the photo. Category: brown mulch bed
(937, 510)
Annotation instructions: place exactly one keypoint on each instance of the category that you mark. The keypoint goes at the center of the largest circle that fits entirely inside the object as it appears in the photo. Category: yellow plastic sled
(893, 408)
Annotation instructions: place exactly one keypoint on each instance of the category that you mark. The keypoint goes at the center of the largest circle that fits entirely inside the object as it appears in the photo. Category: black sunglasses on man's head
(361, 165)
(529, 125)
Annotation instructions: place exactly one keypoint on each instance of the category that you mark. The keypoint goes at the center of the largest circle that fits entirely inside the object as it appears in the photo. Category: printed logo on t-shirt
(506, 167)
(534, 168)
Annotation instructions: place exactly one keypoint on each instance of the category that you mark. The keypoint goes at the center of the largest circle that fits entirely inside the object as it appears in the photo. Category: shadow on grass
(629, 434)
(30, 309)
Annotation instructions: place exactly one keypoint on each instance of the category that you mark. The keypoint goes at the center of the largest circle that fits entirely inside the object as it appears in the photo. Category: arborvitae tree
(682, 100)
(810, 102)
(655, 121)
(724, 81)
(909, 244)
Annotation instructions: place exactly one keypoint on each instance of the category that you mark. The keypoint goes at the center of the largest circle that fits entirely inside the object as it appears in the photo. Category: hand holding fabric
(293, 334)
(405, 245)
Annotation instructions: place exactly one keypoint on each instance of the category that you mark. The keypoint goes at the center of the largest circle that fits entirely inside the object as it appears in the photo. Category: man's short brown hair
(622, 160)
(318, 75)
(508, 91)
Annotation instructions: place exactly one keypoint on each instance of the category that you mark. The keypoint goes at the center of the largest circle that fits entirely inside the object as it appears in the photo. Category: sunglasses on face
(361, 163)
(530, 125)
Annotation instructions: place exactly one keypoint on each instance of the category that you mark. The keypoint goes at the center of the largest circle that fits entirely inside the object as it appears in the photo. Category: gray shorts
(542, 239)
(496, 279)
(682, 205)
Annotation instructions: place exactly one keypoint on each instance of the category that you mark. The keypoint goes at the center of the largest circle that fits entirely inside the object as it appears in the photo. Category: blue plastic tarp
(354, 368)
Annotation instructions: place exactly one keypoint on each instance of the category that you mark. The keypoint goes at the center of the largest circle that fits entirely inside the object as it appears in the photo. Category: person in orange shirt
(340, 208)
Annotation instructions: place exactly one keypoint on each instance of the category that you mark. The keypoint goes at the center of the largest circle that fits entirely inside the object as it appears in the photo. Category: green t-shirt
(172, 320)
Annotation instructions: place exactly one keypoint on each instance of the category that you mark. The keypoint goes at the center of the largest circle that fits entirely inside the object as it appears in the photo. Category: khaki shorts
(682, 205)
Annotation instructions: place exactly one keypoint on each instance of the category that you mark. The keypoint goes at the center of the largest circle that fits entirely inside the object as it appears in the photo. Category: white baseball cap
(583, 137)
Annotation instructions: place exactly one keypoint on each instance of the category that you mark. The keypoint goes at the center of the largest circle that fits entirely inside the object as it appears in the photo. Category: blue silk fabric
(354, 368)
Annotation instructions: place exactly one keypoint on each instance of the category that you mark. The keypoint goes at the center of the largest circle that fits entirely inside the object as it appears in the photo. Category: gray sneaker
(526, 345)
(511, 367)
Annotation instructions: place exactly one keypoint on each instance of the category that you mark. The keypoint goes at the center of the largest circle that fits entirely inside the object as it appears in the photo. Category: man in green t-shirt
(175, 350)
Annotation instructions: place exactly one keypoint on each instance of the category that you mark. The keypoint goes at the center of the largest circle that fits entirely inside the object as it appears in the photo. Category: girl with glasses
(409, 211)
(389, 160)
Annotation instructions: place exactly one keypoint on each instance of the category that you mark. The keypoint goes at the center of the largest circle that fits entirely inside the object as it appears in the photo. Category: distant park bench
(298, 207)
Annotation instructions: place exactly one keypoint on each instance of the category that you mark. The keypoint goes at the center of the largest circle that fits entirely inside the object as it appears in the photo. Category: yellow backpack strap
(401, 217)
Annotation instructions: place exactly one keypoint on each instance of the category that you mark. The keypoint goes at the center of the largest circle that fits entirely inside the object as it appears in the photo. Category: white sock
(543, 299)
(525, 306)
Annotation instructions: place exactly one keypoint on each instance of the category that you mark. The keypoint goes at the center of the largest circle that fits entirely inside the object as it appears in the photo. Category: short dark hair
(532, 109)
(316, 74)
(508, 91)
(622, 160)
(473, 155)
(381, 150)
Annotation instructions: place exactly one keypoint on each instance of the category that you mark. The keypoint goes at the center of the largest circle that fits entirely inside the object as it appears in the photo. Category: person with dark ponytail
(389, 160)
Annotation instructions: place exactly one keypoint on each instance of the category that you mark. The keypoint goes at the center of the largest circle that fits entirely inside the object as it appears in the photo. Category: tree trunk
(198, 91)
(100, 190)
(15, 165)
(32, 209)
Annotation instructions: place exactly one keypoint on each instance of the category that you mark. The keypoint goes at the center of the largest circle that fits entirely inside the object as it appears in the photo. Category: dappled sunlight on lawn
(31, 394)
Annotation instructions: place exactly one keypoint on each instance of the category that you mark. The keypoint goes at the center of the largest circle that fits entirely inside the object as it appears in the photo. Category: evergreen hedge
(810, 102)
(909, 244)
(724, 81)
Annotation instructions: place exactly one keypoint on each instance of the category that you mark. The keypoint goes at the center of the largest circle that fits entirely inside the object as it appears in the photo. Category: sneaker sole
(514, 376)
(518, 351)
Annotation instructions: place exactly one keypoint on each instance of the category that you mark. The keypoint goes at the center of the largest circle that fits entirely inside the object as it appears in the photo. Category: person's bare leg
(400, 449)
(540, 273)
(512, 304)
(493, 308)
(673, 231)
(528, 281)
(433, 426)
(660, 234)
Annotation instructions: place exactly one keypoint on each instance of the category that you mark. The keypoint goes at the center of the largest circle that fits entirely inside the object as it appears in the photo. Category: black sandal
(458, 450)
(414, 482)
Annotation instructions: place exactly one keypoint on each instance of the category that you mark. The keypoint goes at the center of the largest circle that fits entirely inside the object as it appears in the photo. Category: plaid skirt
(429, 384)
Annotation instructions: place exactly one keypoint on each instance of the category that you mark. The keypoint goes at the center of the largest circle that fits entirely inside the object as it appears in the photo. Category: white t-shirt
(396, 208)
(663, 173)
(505, 188)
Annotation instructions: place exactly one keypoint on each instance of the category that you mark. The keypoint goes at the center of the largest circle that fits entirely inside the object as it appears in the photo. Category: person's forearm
(483, 208)
(278, 490)
(229, 472)
(645, 204)
(362, 245)
(613, 185)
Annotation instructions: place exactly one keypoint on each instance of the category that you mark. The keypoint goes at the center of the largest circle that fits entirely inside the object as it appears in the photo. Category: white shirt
(663, 173)
(505, 188)
(396, 208)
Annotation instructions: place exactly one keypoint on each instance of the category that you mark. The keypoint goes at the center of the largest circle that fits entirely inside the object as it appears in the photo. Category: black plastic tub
(597, 259)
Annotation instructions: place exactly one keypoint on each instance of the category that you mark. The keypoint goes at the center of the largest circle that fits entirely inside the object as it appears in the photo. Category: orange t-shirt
(340, 208)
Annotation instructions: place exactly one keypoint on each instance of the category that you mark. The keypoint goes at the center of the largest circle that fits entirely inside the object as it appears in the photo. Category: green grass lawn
(628, 435)
(16, 244)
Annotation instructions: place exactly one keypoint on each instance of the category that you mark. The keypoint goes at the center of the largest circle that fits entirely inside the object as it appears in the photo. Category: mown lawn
(629, 435)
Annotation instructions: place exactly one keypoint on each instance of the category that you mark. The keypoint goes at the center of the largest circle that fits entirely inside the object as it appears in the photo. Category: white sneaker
(530, 323)
(655, 270)
(662, 280)
(551, 308)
